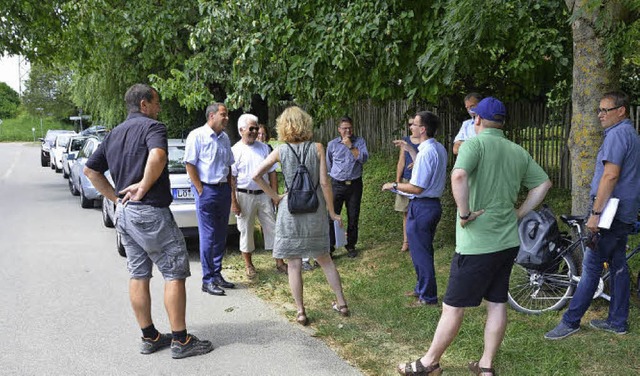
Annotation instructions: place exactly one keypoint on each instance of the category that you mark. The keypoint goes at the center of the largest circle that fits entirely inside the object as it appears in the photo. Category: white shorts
(252, 205)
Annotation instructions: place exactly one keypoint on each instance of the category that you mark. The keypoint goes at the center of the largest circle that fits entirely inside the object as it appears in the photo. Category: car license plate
(182, 193)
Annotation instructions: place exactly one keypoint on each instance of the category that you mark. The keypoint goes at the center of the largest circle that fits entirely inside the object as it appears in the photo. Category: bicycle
(534, 291)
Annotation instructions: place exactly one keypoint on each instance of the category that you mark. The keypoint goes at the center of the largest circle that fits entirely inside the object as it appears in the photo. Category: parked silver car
(79, 184)
(183, 206)
(75, 145)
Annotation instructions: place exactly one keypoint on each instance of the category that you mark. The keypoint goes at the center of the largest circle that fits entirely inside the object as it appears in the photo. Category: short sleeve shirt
(210, 153)
(467, 131)
(124, 152)
(247, 160)
(430, 169)
(621, 146)
(496, 169)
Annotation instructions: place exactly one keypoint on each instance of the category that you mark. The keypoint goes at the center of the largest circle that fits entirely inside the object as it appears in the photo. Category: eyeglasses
(253, 129)
(606, 110)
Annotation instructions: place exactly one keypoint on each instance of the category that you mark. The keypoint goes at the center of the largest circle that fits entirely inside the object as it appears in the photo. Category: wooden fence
(530, 125)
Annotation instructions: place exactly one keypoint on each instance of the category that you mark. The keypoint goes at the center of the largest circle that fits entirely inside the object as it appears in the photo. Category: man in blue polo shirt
(426, 185)
(208, 159)
(345, 156)
(617, 174)
(135, 153)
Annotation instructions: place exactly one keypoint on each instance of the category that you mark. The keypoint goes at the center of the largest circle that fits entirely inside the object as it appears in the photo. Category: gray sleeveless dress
(301, 235)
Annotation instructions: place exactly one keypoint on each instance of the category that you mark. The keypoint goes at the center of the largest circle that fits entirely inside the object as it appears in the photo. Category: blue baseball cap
(491, 109)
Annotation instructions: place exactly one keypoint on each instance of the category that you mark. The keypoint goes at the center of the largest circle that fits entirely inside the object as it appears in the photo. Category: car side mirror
(41, 139)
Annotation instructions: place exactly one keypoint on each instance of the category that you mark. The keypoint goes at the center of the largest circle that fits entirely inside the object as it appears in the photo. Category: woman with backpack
(302, 229)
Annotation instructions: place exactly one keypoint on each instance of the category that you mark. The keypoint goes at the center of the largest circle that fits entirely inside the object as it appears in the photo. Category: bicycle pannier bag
(539, 238)
(301, 193)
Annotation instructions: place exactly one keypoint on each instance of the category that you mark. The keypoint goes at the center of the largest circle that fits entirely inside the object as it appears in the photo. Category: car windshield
(176, 163)
(63, 141)
(77, 144)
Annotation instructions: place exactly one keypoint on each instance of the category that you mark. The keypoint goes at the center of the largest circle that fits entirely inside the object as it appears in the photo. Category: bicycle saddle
(571, 219)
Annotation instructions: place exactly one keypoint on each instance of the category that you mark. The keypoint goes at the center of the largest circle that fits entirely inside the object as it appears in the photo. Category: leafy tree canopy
(48, 92)
(9, 101)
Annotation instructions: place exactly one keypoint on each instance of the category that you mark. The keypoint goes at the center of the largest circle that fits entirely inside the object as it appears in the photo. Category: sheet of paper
(341, 236)
(609, 211)
(401, 193)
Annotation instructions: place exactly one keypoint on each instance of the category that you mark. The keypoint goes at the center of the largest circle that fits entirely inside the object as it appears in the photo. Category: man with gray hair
(208, 159)
(135, 153)
(247, 199)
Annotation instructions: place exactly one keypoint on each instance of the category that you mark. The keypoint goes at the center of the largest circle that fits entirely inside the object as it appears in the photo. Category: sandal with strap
(475, 368)
(342, 310)
(302, 318)
(418, 369)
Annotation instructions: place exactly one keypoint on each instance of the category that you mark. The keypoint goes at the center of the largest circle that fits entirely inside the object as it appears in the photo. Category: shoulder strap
(304, 156)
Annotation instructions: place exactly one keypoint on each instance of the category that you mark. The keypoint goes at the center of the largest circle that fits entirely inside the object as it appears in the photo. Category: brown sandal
(420, 369)
(302, 319)
(475, 368)
(342, 310)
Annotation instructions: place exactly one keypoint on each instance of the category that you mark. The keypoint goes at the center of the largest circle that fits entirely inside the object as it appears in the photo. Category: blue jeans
(213, 207)
(422, 219)
(610, 248)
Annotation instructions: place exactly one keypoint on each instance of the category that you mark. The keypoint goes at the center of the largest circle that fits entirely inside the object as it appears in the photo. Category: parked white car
(58, 148)
(68, 157)
(183, 206)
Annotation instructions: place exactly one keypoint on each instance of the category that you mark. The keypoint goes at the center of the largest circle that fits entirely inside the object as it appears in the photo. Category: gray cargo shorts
(150, 236)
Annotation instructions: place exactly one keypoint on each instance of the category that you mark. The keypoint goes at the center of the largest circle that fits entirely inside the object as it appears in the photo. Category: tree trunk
(592, 77)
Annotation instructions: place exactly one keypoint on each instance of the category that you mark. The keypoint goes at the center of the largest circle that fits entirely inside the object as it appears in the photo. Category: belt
(216, 184)
(347, 182)
(427, 198)
(249, 191)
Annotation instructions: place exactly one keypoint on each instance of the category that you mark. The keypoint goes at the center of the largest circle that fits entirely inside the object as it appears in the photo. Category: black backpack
(301, 193)
(539, 239)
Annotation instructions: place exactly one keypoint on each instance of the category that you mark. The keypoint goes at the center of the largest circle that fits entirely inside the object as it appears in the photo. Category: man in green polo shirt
(485, 182)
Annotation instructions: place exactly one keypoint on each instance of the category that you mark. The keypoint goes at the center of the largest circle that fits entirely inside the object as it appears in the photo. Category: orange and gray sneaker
(191, 347)
(149, 346)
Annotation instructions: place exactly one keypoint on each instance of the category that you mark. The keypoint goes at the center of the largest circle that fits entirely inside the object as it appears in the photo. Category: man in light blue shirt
(617, 174)
(208, 158)
(467, 130)
(345, 156)
(426, 186)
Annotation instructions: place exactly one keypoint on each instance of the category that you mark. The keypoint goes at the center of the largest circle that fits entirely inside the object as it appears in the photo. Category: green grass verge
(20, 128)
(382, 332)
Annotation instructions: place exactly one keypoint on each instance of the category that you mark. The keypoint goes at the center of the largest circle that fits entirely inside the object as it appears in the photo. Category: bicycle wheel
(534, 291)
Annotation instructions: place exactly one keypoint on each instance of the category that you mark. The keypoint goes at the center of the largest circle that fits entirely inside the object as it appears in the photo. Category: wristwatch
(465, 217)
(395, 185)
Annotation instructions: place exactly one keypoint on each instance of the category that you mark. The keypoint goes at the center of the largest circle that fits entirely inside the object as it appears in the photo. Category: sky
(10, 74)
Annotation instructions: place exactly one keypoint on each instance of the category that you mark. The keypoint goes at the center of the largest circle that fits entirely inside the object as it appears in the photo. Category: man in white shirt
(208, 159)
(248, 200)
(467, 130)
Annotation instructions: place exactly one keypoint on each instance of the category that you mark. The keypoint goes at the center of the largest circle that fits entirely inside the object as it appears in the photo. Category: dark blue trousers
(422, 219)
(611, 248)
(213, 207)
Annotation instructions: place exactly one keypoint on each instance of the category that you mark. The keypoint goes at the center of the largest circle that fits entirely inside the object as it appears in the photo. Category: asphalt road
(64, 307)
